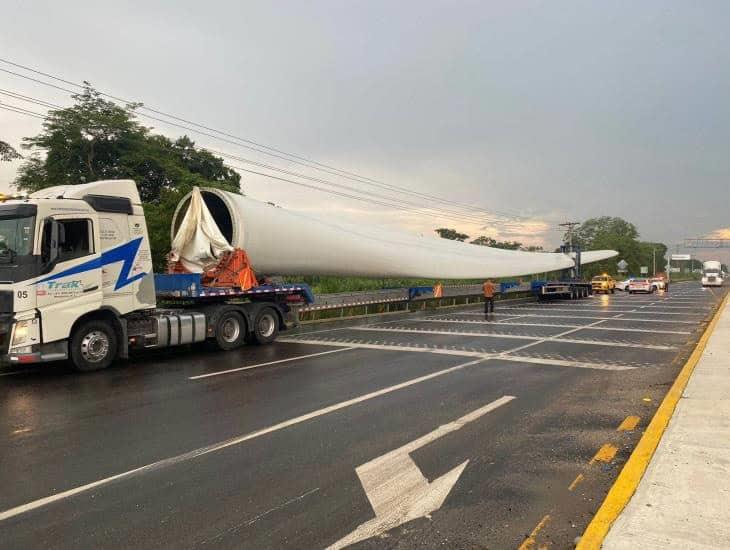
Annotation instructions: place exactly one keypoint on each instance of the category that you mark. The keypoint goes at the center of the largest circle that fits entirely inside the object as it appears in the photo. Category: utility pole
(653, 254)
(570, 226)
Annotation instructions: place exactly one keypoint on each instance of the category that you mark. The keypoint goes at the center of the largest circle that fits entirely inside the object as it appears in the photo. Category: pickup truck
(603, 283)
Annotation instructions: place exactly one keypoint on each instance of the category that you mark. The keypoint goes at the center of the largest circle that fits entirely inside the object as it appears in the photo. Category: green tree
(610, 233)
(489, 241)
(651, 251)
(7, 153)
(451, 234)
(96, 139)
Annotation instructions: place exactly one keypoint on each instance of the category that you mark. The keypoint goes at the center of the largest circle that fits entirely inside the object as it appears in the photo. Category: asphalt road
(441, 429)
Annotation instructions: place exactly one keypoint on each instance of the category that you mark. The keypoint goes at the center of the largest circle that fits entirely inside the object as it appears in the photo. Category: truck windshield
(17, 228)
(16, 238)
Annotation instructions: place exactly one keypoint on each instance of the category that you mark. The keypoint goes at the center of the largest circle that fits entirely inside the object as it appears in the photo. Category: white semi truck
(712, 274)
(76, 282)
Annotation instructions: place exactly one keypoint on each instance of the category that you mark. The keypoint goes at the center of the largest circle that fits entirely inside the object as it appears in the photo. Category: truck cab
(71, 256)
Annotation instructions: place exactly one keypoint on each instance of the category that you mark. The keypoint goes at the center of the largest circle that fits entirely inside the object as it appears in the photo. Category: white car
(641, 285)
(623, 285)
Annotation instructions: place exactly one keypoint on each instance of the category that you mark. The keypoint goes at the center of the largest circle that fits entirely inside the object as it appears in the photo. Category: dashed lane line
(503, 356)
(202, 451)
(490, 323)
(650, 305)
(386, 347)
(578, 479)
(517, 337)
(612, 311)
(589, 318)
(249, 367)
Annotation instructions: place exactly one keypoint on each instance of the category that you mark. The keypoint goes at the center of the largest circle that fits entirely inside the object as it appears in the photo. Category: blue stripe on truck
(125, 253)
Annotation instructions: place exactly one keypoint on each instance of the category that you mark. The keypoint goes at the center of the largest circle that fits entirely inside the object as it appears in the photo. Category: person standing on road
(488, 289)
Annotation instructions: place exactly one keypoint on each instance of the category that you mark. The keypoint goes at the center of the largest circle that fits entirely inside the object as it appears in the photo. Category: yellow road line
(604, 454)
(629, 423)
(530, 541)
(629, 478)
(576, 481)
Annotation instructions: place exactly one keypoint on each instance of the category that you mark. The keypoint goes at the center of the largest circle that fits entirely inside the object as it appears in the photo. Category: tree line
(600, 233)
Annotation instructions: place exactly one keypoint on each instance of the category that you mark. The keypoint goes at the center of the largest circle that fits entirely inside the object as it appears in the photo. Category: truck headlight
(21, 334)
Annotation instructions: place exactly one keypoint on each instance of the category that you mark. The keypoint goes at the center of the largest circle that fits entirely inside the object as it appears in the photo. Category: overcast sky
(552, 110)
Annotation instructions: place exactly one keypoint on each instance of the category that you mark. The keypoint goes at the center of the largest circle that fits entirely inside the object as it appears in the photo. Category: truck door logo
(124, 253)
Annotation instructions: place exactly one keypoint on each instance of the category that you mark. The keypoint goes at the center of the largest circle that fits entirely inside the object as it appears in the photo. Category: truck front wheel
(266, 326)
(93, 346)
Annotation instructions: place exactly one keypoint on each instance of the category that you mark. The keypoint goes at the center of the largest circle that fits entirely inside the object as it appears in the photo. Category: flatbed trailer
(573, 290)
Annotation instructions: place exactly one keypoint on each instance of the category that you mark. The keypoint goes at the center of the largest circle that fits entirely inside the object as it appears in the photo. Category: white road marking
(397, 490)
(275, 508)
(518, 337)
(447, 333)
(651, 305)
(599, 311)
(18, 510)
(387, 347)
(287, 360)
(483, 355)
(509, 318)
(571, 331)
(490, 323)
(587, 317)
(562, 363)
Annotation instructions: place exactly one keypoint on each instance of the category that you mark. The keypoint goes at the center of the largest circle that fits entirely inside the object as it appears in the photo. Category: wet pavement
(432, 429)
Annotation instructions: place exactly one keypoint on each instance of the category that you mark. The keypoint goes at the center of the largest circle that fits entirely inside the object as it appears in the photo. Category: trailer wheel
(266, 326)
(230, 331)
(93, 346)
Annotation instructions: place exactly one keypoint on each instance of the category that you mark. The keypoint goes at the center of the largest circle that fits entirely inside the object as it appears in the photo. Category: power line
(391, 201)
(20, 110)
(300, 184)
(259, 147)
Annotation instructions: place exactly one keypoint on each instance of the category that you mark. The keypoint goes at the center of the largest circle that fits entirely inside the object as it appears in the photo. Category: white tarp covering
(282, 242)
(198, 242)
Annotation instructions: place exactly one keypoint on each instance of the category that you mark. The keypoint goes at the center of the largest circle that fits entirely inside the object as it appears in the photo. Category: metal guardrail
(385, 306)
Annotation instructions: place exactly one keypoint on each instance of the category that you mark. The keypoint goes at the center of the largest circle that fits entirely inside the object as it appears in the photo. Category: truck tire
(93, 346)
(230, 331)
(265, 326)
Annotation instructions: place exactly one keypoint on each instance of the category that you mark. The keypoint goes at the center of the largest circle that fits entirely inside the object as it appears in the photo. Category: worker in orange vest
(489, 289)
(438, 290)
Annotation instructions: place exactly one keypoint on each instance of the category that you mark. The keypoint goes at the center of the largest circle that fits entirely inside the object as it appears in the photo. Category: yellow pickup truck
(603, 283)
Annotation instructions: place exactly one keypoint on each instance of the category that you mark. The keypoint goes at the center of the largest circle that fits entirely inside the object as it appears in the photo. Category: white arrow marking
(396, 488)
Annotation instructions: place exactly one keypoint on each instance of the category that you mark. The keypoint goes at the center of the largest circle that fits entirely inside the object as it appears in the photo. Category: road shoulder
(681, 465)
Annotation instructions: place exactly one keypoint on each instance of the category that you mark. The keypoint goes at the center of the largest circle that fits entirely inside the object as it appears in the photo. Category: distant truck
(712, 274)
(76, 282)
(570, 285)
